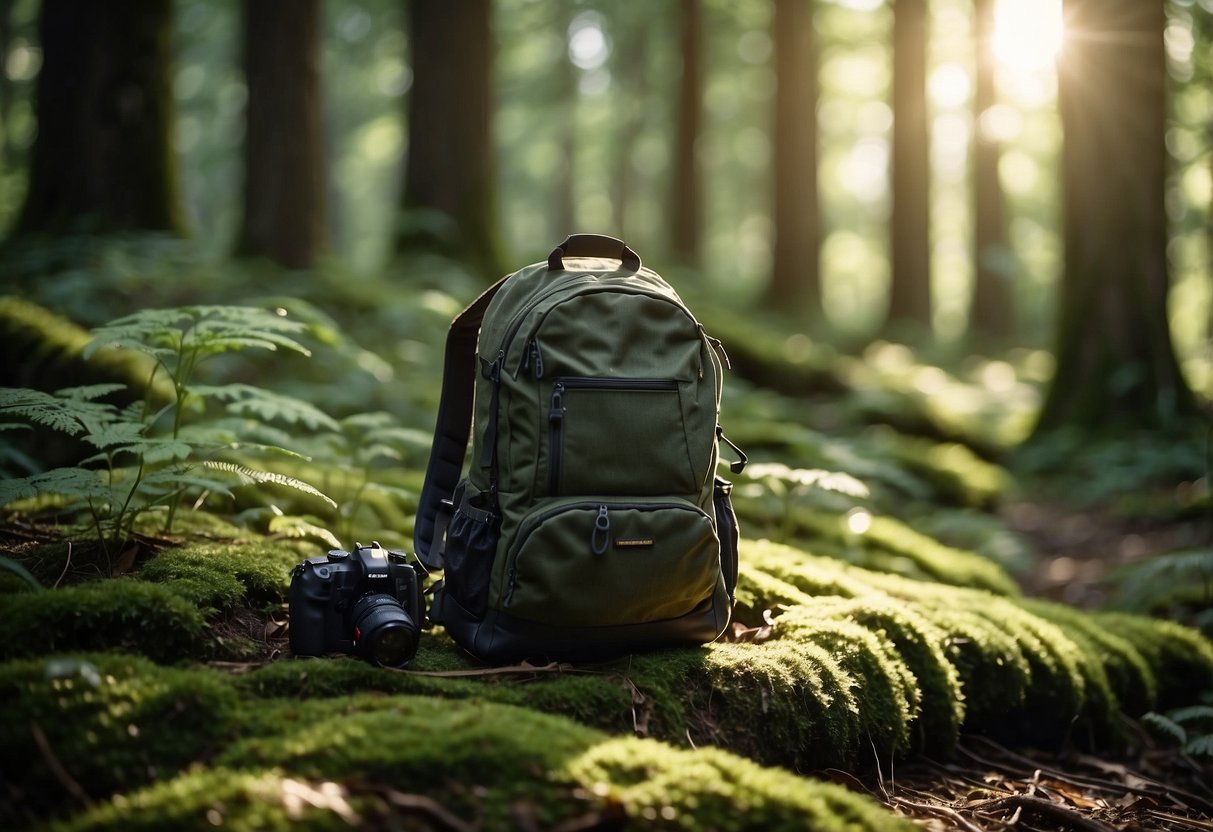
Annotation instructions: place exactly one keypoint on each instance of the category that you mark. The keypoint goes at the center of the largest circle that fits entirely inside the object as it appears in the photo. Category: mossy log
(829, 665)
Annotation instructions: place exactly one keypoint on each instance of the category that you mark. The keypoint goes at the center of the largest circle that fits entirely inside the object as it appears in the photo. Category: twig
(427, 806)
(552, 667)
(66, 564)
(1040, 806)
(56, 767)
(941, 811)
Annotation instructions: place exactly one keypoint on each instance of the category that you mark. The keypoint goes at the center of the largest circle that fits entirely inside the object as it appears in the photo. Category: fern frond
(1201, 746)
(66, 415)
(66, 482)
(1192, 713)
(89, 392)
(248, 400)
(253, 475)
(10, 565)
(1166, 727)
(299, 528)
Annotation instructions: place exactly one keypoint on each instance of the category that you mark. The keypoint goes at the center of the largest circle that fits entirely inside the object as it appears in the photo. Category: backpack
(590, 522)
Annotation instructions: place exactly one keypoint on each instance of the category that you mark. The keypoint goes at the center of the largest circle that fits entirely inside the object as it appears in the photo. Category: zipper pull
(600, 538)
(556, 413)
(509, 587)
(492, 370)
(536, 358)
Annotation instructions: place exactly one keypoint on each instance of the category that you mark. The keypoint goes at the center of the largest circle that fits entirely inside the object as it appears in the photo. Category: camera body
(366, 602)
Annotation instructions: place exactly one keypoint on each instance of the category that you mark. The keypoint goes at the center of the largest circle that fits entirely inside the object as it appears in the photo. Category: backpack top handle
(593, 245)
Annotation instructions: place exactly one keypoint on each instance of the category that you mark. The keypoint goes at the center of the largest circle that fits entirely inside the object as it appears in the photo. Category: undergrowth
(877, 615)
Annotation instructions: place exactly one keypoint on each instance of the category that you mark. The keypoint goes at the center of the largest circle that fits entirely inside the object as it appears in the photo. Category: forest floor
(987, 786)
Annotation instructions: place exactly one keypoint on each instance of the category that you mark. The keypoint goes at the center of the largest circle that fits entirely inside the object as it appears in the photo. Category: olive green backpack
(590, 521)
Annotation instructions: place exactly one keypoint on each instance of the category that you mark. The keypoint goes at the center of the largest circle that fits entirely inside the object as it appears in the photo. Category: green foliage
(176, 461)
(1189, 728)
(1177, 585)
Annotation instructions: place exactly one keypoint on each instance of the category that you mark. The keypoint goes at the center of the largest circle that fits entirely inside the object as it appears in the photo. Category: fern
(166, 463)
(248, 400)
(1190, 728)
(1168, 581)
(1165, 727)
(9, 565)
(64, 413)
(254, 476)
(299, 528)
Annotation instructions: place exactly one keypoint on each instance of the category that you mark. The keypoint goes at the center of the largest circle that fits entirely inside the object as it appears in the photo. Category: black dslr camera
(366, 602)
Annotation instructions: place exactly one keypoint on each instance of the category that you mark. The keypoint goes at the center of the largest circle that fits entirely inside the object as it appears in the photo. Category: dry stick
(66, 564)
(428, 806)
(56, 767)
(1160, 789)
(1040, 806)
(939, 811)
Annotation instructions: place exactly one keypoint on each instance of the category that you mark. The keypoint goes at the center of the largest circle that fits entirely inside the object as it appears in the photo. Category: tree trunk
(910, 254)
(450, 200)
(103, 160)
(564, 194)
(686, 209)
(284, 155)
(1116, 365)
(992, 311)
(795, 278)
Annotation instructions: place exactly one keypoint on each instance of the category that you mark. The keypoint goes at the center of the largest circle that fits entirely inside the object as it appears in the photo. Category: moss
(920, 645)
(1129, 674)
(112, 722)
(940, 563)
(220, 576)
(665, 788)
(341, 763)
(119, 615)
(1180, 657)
(786, 702)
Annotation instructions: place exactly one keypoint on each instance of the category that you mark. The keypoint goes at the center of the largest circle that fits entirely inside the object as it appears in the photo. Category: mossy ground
(830, 665)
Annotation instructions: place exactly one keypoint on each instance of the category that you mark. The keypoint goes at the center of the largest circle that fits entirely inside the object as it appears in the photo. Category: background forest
(958, 253)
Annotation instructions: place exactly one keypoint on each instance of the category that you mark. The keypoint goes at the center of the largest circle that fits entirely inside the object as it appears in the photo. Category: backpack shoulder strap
(451, 431)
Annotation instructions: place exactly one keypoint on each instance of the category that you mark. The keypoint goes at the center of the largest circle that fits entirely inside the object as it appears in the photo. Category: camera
(366, 602)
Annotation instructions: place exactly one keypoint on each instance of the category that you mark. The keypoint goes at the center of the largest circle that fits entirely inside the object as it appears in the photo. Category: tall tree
(450, 198)
(103, 159)
(1116, 365)
(991, 312)
(284, 154)
(686, 209)
(795, 278)
(630, 76)
(910, 250)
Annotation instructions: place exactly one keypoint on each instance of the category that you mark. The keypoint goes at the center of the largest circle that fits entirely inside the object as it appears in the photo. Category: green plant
(150, 455)
(1190, 728)
(1176, 585)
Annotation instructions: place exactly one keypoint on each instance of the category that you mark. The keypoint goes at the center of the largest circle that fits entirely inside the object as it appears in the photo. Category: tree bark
(910, 253)
(1116, 366)
(795, 278)
(103, 160)
(284, 148)
(992, 311)
(686, 209)
(450, 198)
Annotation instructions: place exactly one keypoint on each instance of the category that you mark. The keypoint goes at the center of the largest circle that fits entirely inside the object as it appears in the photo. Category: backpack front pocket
(589, 563)
(617, 436)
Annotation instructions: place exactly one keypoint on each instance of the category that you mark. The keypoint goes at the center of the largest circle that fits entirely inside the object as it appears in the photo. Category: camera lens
(383, 632)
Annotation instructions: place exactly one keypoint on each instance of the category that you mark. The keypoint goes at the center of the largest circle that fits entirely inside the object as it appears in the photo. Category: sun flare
(1027, 34)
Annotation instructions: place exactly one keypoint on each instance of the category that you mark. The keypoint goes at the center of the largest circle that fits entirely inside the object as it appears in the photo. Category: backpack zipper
(599, 531)
(556, 411)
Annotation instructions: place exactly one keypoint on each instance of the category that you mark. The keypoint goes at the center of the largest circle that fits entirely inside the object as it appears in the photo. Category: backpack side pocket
(727, 531)
(471, 544)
